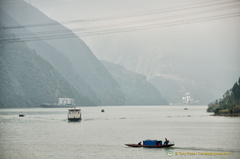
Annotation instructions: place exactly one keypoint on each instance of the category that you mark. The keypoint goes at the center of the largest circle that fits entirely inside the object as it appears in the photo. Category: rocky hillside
(27, 80)
(137, 90)
(67, 53)
(41, 61)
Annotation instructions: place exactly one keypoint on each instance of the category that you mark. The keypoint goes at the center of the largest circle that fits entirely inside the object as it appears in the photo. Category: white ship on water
(62, 103)
(74, 114)
(188, 100)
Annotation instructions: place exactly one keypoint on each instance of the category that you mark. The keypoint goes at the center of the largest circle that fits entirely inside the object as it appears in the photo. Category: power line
(111, 31)
(169, 17)
(131, 15)
(165, 19)
(136, 22)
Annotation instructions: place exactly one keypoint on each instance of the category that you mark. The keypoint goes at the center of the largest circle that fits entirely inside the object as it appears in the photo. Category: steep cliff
(27, 80)
(137, 90)
(69, 55)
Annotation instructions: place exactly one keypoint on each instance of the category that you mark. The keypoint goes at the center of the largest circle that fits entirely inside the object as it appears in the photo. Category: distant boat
(62, 103)
(102, 110)
(188, 100)
(21, 115)
(185, 108)
(151, 144)
(74, 114)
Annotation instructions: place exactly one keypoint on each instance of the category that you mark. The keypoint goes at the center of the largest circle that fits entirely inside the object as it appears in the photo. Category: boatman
(166, 141)
(140, 143)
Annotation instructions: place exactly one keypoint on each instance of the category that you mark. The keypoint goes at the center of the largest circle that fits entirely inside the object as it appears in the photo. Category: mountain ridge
(96, 81)
(27, 80)
(74, 65)
(137, 90)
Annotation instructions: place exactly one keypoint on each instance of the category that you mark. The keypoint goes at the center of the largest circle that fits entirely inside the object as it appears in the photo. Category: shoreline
(228, 115)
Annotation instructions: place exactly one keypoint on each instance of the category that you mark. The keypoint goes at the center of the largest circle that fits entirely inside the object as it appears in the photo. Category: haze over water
(46, 133)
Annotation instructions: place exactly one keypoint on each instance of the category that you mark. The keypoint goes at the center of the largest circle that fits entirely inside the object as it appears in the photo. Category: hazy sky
(158, 24)
(151, 36)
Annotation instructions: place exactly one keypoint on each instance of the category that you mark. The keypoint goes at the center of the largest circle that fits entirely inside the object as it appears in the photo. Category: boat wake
(206, 149)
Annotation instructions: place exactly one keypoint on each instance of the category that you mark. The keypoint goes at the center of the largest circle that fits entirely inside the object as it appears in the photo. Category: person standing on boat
(140, 143)
(166, 141)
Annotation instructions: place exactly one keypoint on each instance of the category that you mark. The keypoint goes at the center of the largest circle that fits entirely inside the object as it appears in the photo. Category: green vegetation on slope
(229, 104)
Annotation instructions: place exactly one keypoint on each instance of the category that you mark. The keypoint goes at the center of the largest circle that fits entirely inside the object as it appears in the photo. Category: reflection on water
(46, 133)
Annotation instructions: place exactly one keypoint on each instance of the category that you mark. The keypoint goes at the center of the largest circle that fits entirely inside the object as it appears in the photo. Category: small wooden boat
(149, 146)
(152, 144)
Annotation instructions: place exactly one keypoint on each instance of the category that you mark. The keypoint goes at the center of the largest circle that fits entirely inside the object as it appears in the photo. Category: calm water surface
(45, 133)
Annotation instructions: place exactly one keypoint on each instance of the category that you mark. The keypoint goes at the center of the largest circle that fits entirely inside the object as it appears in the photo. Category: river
(45, 133)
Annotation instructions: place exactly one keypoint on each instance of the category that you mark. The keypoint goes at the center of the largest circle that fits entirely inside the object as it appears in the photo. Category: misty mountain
(196, 58)
(68, 54)
(137, 90)
(27, 80)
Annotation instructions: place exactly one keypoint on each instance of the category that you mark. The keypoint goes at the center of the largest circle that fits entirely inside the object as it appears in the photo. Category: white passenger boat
(74, 114)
